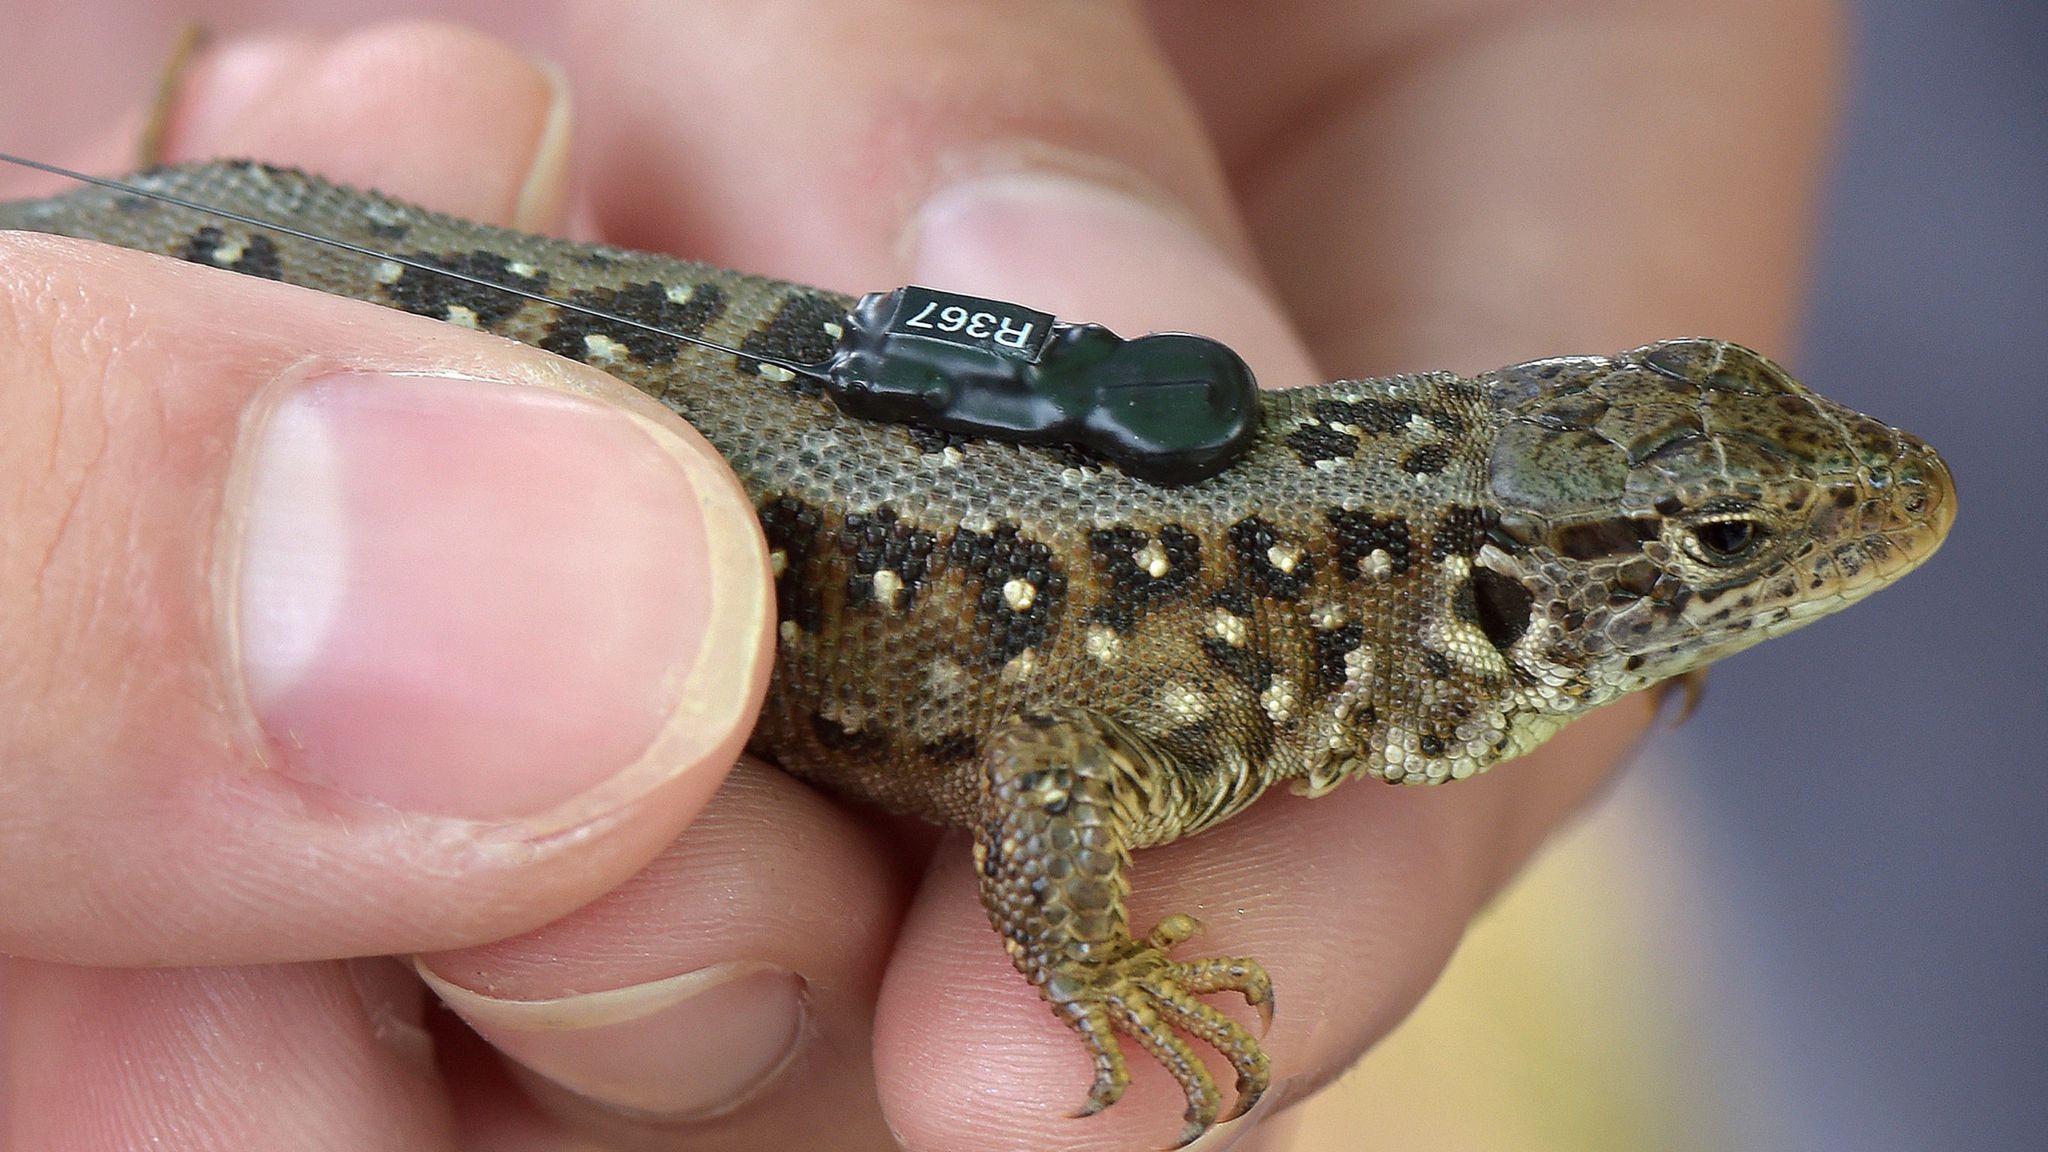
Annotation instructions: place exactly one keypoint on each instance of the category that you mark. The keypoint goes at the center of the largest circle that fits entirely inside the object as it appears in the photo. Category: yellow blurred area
(1560, 1025)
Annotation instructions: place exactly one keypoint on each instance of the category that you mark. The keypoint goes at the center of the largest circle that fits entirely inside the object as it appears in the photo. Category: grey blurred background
(1887, 872)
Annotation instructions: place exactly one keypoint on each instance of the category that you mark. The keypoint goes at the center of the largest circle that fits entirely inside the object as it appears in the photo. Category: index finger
(1551, 180)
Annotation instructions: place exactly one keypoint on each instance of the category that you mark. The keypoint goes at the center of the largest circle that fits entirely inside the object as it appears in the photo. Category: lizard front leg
(1066, 797)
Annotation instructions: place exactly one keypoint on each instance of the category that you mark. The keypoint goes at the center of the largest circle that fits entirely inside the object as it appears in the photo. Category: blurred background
(1816, 918)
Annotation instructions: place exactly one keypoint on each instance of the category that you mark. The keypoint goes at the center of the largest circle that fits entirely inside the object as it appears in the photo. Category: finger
(191, 528)
(433, 113)
(721, 998)
(1053, 130)
(1442, 185)
(297, 1056)
(191, 522)
(68, 74)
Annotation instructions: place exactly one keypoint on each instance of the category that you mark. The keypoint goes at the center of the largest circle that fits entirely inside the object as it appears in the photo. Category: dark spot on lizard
(1253, 543)
(426, 294)
(257, 256)
(952, 748)
(1331, 647)
(1359, 534)
(1377, 417)
(1313, 442)
(1668, 589)
(645, 303)
(796, 333)
(1439, 665)
(1246, 666)
(1130, 588)
(1461, 532)
(992, 563)
(1426, 459)
(1193, 745)
(792, 528)
(1432, 745)
(883, 542)
(1235, 599)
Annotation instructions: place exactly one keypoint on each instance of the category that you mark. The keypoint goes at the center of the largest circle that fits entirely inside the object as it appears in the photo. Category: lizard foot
(1067, 797)
(1141, 992)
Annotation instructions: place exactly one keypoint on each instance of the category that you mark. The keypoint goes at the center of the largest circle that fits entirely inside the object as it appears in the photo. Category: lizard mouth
(1889, 523)
(1870, 534)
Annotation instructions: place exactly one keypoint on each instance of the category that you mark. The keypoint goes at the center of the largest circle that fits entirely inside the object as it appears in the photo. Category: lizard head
(1671, 505)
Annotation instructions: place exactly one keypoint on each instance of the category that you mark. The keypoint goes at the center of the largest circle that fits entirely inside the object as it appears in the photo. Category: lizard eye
(1721, 542)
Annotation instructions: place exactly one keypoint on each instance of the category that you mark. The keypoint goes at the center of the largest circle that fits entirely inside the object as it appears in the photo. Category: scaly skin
(1410, 579)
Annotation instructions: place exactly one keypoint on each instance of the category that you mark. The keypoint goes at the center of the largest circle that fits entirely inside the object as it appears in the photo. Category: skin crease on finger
(1401, 339)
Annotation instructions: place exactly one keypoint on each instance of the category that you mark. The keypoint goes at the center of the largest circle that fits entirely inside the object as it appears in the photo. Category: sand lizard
(1407, 579)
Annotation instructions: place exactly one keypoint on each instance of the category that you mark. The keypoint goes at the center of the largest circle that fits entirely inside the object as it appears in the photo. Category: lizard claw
(1143, 994)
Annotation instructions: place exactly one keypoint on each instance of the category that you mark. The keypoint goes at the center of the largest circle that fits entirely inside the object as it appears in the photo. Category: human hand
(1049, 157)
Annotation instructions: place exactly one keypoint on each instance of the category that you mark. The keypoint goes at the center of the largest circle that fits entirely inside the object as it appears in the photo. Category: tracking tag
(1168, 408)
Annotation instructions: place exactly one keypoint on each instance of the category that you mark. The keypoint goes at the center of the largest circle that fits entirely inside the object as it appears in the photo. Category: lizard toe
(1242, 975)
(1138, 992)
(1227, 1036)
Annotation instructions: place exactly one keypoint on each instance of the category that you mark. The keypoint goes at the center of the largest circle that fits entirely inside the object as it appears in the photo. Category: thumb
(345, 633)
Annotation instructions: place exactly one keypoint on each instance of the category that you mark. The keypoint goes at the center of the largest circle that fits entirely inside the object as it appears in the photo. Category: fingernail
(541, 194)
(689, 1046)
(466, 598)
(1088, 251)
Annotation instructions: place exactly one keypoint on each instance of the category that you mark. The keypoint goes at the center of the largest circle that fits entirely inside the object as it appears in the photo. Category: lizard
(1408, 579)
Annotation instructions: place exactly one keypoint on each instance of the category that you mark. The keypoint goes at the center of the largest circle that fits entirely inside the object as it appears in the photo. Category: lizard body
(1409, 579)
